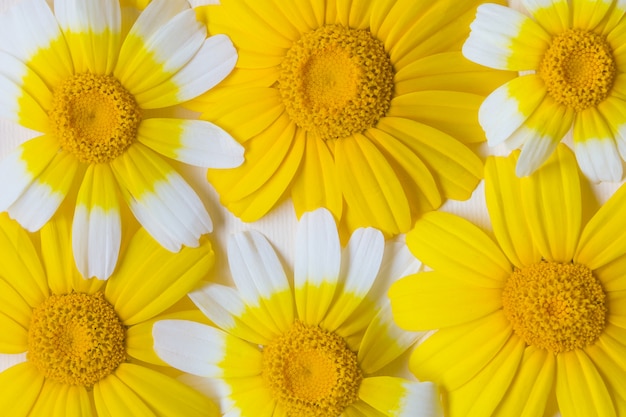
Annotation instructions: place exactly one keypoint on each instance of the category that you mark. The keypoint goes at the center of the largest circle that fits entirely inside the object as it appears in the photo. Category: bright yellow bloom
(320, 356)
(534, 320)
(85, 346)
(362, 107)
(573, 59)
(89, 82)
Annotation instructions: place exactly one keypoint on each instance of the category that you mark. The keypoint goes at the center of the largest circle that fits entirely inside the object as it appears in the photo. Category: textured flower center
(555, 306)
(336, 81)
(94, 117)
(76, 339)
(311, 372)
(578, 69)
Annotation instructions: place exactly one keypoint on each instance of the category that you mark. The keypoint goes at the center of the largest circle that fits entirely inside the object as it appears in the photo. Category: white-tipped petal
(92, 30)
(166, 206)
(36, 206)
(504, 38)
(599, 159)
(360, 264)
(213, 62)
(398, 397)
(189, 346)
(97, 227)
(194, 142)
(219, 303)
(536, 150)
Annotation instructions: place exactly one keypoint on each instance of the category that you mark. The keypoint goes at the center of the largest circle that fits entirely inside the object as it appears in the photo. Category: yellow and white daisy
(362, 107)
(533, 321)
(573, 57)
(310, 351)
(89, 83)
(86, 345)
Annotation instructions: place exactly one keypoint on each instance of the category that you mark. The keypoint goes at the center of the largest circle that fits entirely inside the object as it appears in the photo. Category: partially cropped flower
(573, 60)
(533, 321)
(362, 107)
(89, 85)
(86, 344)
(307, 351)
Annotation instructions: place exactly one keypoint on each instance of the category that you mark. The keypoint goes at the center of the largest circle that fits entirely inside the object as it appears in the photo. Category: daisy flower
(362, 107)
(573, 59)
(87, 343)
(310, 351)
(534, 320)
(90, 85)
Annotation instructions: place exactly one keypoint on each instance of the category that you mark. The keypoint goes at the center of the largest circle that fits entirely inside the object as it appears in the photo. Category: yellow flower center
(76, 339)
(578, 69)
(336, 81)
(311, 372)
(555, 306)
(94, 117)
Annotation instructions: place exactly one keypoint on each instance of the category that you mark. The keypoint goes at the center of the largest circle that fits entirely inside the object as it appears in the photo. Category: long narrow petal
(24, 272)
(580, 390)
(20, 168)
(194, 142)
(61, 400)
(316, 184)
(595, 147)
(485, 391)
(370, 186)
(504, 201)
(432, 300)
(261, 280)
(20, 386)
(161, 199)
(36, 40)
(41, 199)
(608, 357)
(151, 279)
(92, 31)
(25, 97)
(455, 247)
(214, 60)
(151, 54)
(453, 356)
(504, 38)
(532, 385)
(204, 350)
(509, 106)
(384, 341)
(360, 263)
(168, 396)
(225, 307)
(317, 265)
(399, 397)
(97, 226)
(552, 15)
(551, 199)
(114, 398)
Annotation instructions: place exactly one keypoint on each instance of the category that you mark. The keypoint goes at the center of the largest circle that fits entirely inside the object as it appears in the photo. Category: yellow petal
(20, 386)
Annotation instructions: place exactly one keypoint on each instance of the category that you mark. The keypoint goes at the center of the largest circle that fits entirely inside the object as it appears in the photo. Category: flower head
(362, 107)
(312, 357)
(536, 314)
(573, 62)
(84, 346)
(89, 83)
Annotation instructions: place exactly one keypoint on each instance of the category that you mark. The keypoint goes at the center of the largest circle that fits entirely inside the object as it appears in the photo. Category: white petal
(401, 398)
(599, 159)
(494, 31)
(27, 28)
(93, 32)
(255, 268)
(201, 143)
(318, 252)
(198, 3)
(213, 62)
(537, 149)
(36, 206)
(96, 238)
(156, 15)
(219, 303)
(189, 346)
